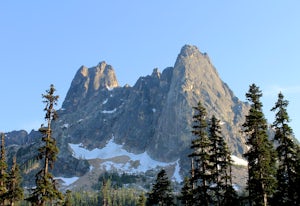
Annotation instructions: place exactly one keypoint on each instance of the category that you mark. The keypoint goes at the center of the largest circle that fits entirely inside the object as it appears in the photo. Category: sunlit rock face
(103, 125)
(155, 114)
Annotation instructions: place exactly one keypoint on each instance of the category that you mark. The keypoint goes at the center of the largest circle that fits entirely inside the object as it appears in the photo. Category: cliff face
(155, 115)
(103, 126)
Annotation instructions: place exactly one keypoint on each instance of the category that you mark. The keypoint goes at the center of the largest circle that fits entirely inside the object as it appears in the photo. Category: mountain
(137, 128)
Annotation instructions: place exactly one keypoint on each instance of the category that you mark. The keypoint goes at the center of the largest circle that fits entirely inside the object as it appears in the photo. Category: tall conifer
(15, 191)
(261, 154)
(220, 159)
(46, 188)
(287, 192)
(200, 180)
(161, 192)
(3, 171)
(186, 197)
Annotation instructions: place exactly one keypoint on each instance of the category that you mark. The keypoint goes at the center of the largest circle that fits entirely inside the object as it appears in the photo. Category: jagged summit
(89, 82)
(156, 73)
(154, 117)
(155, 114)
(188, 50)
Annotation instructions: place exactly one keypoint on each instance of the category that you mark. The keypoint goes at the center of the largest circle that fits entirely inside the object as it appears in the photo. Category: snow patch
(66, 125)
(68, 181)
(109, 88)
(239, 161)
(176, 176)
(138, 163)
(105, 101)
(109, 112)
(79, 120)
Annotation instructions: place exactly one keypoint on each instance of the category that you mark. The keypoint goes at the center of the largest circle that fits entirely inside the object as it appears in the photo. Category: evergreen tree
(161, 193)
(186, 197)
(287, 192)
(297, 188)
(46, 188)
(105, 192)
(3, 171)
(261, 154)
(200, 174)
(142, 200)
(68, 201)
(15, 192)
(220, 160)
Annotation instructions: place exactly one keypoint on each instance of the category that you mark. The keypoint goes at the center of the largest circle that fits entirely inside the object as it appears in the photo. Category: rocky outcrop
(88, 82)
(195, 79)
(153, 116)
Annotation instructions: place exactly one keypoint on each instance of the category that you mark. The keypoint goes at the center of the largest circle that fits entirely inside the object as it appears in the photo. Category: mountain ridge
(154, 116)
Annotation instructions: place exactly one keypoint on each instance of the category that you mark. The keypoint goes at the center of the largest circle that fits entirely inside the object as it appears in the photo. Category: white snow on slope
(109, 112)
(112, 150)
(68, 181)
(239, 161)
(176, 175)
(105, 101)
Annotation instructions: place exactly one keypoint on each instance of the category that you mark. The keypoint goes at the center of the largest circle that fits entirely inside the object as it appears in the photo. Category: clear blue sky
(44, 42)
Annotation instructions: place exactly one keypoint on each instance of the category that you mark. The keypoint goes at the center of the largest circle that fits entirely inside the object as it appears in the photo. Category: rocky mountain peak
(88, 82)
(156, 73)
(189, 50)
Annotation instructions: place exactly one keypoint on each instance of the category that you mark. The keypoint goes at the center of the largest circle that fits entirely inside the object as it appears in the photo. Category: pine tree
(46, 188)
(200, 175)
(297, 188)
(230, 197)
(68, 198)
(3, 171)
(261, 154)
(221, 178)
(186, 197)
(161, 193)
(142, 200)
(15, 192)
(287, 192)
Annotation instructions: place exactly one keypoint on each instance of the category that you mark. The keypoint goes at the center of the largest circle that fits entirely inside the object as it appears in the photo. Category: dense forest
(273, 167)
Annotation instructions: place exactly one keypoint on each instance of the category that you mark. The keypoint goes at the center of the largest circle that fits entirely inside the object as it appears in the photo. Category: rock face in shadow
(154, 115)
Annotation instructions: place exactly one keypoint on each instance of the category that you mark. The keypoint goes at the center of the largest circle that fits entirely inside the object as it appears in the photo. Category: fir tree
(186, 197)
(142, 200)
(161, 193)
(298, 176)
(46, 188)
(220, 160)
(200, 175)
(68, 201)
(15, 192)
(3, 171)
(261, 154)
(287, 192)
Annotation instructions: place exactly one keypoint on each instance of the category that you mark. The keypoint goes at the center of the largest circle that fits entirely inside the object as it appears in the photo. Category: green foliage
(200, 174)
(142, 200)
(15, 192)
(220, 159)
(68, 199)
(261, 154)
(161, 192)
(287, 192)
(3, 172)
(211, 179)
(117, 180)
(186, 196)
(46, 188)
